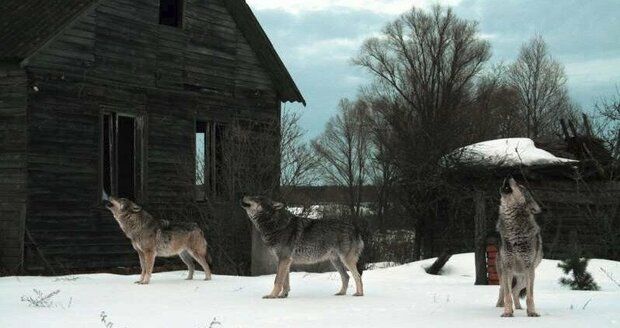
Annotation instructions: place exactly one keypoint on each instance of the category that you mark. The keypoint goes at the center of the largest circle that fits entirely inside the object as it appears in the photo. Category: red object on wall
(492, 276)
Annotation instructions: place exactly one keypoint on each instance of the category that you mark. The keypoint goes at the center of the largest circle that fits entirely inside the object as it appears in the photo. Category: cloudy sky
(317, 38)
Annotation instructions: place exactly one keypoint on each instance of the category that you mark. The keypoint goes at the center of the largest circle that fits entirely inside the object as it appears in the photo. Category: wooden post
(480, 238)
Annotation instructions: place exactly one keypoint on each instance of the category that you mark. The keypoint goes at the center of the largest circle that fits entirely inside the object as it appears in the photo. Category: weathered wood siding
(13, 141)
(116, 57)
(582, 213)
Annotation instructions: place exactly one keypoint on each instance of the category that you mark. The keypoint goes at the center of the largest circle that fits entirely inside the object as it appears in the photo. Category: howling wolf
(152, 237)
(294, 239)
(521, 247)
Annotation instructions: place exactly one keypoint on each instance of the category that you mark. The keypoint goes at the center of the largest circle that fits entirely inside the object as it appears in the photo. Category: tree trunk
(480, 238)
(439, 263)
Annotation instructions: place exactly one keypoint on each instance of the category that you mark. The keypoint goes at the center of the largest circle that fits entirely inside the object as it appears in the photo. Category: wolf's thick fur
(521, 247)
(153, 237)
(294, 239)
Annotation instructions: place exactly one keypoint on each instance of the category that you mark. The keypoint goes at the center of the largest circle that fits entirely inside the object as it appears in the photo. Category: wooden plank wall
(13, 141)
(587, 214)
(117, 57)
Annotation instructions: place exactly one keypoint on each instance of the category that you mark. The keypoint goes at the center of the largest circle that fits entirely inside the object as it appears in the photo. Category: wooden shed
(109, 97)
(580, 203)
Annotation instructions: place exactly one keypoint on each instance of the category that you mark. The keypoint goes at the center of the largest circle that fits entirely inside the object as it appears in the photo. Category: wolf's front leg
(142, 266)
(529, 298)
(149, 261)
(287, 285)
(278, 284)
(506, 281)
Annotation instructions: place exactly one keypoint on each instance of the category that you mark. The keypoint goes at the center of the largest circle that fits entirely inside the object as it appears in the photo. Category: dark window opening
(126, 157)
(107, 153)
(171, 12)
(210, 161)
(120, 174)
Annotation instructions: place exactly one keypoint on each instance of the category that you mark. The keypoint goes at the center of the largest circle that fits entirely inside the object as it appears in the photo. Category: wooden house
(110, 97)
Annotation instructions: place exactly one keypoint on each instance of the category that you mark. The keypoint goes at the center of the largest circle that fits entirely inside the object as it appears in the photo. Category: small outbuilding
(578, 193)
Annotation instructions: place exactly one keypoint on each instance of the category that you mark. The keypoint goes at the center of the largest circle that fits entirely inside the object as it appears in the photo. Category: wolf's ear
(534, 207)
(277, 205)
(531, 203)
(136, 208)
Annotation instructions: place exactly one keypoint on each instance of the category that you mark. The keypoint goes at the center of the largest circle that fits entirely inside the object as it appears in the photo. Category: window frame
(180, 13)
(139, 151)
(212, 186)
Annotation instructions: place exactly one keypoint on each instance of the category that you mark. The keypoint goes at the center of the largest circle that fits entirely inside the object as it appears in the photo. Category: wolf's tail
(208, 255)
(361, 233)
(210, 261)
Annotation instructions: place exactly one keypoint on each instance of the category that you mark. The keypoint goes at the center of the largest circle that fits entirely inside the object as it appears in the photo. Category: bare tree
(425, 64)
(381, 169)
(298, 163)
(494, 112)
(607, 111)
(540, 82)
(343, 150)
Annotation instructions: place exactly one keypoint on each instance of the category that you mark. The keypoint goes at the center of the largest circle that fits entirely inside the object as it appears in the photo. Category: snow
(400, 296)
(507, 152)
(319, 211)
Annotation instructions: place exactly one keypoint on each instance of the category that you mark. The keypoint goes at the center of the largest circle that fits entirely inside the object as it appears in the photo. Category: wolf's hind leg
(344, 277)
(500, 298)
(516, 290)
(201, 258)
(350, 261)
(187, 259)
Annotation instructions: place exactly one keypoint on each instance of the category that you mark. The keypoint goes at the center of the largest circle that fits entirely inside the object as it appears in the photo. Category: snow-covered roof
(506, 153)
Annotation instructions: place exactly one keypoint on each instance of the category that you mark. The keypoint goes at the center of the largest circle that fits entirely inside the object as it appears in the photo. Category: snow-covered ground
(507, 152)
(401, 296)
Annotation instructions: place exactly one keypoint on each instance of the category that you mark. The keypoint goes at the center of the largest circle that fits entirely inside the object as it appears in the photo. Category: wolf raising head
(516, 196)
(259, 206)
(122, 207)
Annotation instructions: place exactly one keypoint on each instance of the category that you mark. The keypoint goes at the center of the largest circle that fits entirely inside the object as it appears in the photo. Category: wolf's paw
(189, 278)
(507, 315)
(270, 296)
(283, 295)
(533, 314)
(358, 294)
(340, 294)
(208, 278)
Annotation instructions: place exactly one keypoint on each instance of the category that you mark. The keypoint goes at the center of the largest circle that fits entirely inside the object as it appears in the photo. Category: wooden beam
(480, 238)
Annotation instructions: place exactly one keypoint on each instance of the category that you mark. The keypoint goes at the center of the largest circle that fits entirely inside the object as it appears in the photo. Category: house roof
(27, 25)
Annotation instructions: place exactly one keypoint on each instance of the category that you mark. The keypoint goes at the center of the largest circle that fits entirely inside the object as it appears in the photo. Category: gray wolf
(295, 239)
(152, 237)
(521, 247)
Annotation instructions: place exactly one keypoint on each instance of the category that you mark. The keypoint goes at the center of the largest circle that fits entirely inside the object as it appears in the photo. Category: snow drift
(507, 152)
